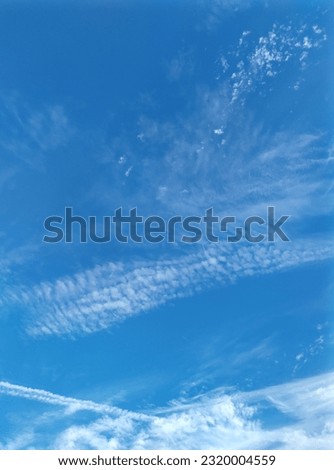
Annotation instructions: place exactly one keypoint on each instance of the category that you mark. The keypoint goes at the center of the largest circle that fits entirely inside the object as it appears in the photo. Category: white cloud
(313, 349)
(228, 421)
(71, 404)
(218, 420)
(267, 57)
(96, 299)
(128, 171)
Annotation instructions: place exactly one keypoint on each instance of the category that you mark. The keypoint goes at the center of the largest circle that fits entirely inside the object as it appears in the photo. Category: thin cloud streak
(72, 404)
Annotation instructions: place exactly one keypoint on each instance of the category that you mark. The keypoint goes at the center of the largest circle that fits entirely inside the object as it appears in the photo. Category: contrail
(43, 396)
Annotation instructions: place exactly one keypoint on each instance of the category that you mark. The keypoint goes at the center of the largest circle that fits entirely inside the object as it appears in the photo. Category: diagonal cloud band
(96, 299)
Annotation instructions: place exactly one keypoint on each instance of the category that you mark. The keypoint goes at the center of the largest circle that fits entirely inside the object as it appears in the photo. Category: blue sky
(171, 107)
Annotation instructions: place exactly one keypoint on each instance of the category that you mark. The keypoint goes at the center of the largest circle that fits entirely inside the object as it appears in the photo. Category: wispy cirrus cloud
(234, 157)
(29, 132)
(222, 419)
(213, 12)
